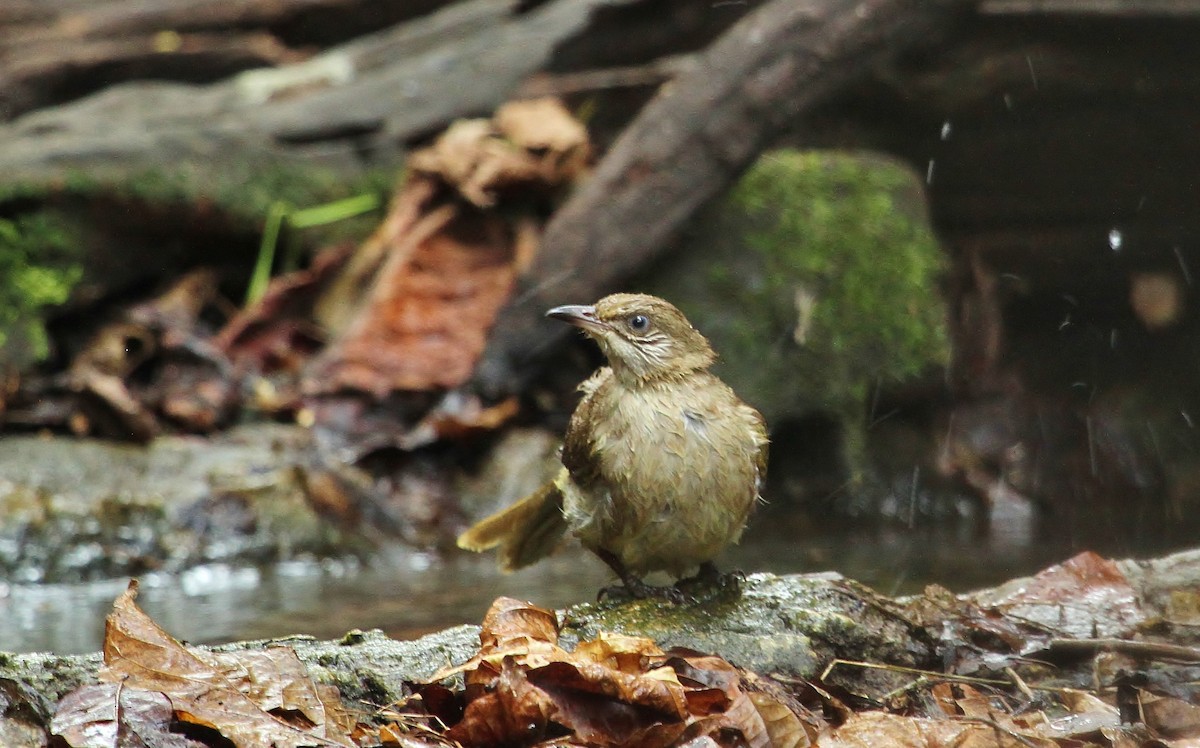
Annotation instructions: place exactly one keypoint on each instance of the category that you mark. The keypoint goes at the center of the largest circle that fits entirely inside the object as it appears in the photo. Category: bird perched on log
(662, 462)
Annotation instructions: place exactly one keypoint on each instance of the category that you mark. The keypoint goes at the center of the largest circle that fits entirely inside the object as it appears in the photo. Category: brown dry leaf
(411, 311)
(425, 321)
(1171, 718)
(395, 737)
(627, 654)
(512, 712)
(471, 157)
(544, 126)
(109, 714)
(277, 682)
(1088, 715)
(715, 695)
(613, 690)
(961, 699)
(138, 653)
(533, 144)
(1086, 596)
(877, 729)
(511, 628)
(510, 619)
(278, 334)
(657, 690)
(458, 416)
(594, 705)
(784, 728)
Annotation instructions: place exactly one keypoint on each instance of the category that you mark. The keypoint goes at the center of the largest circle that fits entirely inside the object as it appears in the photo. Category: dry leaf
(412, 310)
(107, 715)
(877, 729)
(1172, 718)
(1086, 596)
(204, 689)
(784, 728)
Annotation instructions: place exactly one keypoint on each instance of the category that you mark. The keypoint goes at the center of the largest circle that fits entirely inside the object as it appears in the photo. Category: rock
(816, 279)
(74, 510)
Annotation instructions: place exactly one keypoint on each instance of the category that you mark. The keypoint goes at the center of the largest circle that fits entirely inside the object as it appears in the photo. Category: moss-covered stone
(816, 278)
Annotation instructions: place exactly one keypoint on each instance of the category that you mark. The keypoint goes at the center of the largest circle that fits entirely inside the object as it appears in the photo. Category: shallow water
(410, 593)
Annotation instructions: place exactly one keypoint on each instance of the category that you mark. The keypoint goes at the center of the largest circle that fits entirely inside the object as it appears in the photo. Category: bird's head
(644, 337)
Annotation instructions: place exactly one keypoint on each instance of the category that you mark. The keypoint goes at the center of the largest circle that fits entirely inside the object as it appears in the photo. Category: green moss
(816, 278)
(39, 264)
(41, 254)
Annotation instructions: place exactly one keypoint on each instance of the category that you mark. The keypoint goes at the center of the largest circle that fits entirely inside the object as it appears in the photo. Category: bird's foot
(633, 588)
(711, 581)
(639, 590)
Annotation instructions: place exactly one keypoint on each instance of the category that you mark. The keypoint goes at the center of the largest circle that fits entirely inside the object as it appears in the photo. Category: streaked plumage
(662, 462)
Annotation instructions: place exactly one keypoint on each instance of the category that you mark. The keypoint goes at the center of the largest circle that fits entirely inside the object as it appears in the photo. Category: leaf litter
(403, 314)
(523, 687)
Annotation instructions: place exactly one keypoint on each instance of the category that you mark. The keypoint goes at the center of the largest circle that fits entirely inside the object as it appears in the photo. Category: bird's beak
(583, 317)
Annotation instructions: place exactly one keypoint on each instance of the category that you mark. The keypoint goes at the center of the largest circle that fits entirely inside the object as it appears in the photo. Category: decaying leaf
(106, 715)
(533, 144)
(411, 310)
(875, 729)
(1086, 596)
(263, 698)
(1171, 718)
(613, 690)
(277, 334)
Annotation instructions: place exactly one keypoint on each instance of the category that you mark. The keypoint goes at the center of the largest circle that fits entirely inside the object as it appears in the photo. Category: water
(408, 594)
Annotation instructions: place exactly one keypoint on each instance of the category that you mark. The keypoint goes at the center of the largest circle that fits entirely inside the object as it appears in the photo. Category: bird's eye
(639, 322)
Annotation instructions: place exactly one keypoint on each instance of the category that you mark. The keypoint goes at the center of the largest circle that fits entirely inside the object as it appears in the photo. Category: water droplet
(946, 128)
(1115, 239)
(1183, 266)
(929, 172)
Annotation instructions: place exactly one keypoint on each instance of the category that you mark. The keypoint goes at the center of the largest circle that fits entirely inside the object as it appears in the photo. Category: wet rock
(74, 510)
(816, 279)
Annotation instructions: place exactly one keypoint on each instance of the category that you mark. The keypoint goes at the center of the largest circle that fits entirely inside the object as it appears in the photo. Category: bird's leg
(709, 577)
(632, 586)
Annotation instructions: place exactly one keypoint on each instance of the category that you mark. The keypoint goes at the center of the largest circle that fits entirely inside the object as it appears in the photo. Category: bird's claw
(708, 579)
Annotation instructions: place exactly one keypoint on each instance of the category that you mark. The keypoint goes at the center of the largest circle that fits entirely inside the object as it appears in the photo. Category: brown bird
(662, 462)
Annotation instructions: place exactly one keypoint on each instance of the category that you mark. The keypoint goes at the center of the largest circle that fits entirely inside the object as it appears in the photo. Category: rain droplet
(1183, 266)
(929, 172)
(1187, 418)
(1115, 239)
(946, 128)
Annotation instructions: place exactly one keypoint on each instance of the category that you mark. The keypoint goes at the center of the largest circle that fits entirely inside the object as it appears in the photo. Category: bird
(662, 463)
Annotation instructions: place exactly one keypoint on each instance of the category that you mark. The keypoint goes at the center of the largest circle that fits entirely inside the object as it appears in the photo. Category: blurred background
(272, 277)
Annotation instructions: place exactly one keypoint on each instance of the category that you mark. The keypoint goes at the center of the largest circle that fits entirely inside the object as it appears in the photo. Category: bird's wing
(579, 448)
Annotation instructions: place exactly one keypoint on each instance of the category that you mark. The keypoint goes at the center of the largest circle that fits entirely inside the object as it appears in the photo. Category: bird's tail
(525, 532)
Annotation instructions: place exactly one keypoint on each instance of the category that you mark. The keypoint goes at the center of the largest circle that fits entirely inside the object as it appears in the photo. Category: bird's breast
(674, 473)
